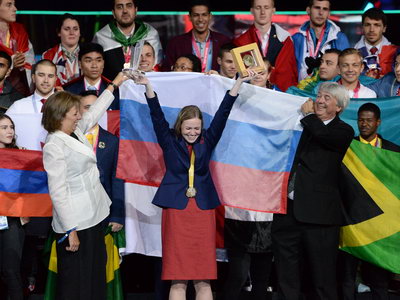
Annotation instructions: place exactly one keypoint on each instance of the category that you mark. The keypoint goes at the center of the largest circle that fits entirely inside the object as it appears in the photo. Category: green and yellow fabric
(372, 193)
(114, 241)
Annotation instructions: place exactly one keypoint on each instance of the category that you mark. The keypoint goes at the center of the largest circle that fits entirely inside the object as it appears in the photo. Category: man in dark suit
(200, 41)
(91, 63)
(310, 229)
(105, 145)
(369, 120)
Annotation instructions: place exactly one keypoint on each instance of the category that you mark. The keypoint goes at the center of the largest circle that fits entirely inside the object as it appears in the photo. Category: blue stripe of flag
(22, 181)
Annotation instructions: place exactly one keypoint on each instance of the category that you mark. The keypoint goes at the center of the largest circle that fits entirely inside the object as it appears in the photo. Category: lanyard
(191, 169)
(310, 42)
(196, 49)
(356, 90)
(127, 53)
(264, 49)
(70, 68)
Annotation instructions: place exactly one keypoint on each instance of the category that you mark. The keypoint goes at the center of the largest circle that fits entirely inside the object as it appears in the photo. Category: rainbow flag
(251, 164)
(23, 184)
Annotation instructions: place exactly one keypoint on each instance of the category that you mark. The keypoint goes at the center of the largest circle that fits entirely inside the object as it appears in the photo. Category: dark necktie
(398, 92)
(43, 102)
(373, 50)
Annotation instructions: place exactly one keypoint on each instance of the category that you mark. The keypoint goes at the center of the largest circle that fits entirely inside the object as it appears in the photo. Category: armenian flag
(23, 184)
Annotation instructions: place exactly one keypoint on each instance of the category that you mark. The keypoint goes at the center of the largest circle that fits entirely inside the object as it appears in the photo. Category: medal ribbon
(196, 49)
(191, 169)
(310, 43)
(356, 90)
(127, 54)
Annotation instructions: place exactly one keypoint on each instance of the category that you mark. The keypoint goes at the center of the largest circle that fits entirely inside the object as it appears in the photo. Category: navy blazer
(172, 191)
(317, 163)
(107, 157)
(77, 86)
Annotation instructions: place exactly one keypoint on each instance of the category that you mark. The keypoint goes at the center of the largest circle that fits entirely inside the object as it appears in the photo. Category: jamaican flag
(114, 241)
(372, 203)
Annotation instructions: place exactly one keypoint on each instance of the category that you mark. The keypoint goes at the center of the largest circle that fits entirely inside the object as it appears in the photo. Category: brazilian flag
(114, 241)
(372, 193)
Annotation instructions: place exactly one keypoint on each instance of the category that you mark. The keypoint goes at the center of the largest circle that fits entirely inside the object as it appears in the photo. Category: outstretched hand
(250, 76)
(235, 89)
(143, 80)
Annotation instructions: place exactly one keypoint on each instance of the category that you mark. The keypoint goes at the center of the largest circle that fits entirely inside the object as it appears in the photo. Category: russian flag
(250, 165)
(23, 184)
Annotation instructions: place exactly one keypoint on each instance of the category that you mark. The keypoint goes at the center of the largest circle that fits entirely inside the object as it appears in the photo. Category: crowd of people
(74, 83)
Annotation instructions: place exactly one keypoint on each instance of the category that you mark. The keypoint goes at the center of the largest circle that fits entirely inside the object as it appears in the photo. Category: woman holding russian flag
(187, 193)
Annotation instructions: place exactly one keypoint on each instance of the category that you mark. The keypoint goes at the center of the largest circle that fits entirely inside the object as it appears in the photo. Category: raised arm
(160, 124)
(218, 123)
(238, 83)
(99, 107)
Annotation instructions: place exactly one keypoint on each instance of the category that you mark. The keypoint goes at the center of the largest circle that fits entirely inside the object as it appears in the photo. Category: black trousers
(11, 244)
(295, 243)
(239, 265)
(376, 278)
(82, 274)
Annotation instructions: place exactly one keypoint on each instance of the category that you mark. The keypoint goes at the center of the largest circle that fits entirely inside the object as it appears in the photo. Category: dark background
(42, 28)
(181, 5)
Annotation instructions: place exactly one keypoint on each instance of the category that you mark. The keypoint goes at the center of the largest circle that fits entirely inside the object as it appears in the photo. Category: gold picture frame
(248, 56)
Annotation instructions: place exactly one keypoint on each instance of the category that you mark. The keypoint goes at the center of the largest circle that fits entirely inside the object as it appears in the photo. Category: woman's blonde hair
(187, 113)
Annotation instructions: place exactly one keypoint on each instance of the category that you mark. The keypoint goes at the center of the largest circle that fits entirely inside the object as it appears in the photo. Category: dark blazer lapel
(185, 152)
(103, 140)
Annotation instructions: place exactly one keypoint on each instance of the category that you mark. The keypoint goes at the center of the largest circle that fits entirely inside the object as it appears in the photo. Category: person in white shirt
(44, 76)
(350, 68)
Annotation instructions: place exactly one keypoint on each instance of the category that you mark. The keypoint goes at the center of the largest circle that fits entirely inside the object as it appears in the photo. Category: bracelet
(65, 235)
(113, 85)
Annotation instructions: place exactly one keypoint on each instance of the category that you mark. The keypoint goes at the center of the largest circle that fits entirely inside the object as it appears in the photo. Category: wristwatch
(113, 85)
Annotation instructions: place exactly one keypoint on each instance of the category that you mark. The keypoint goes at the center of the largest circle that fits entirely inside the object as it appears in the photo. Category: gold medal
(248, 60)
(191, 192)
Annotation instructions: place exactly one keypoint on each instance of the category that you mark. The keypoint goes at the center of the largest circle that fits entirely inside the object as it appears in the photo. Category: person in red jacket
(15, 42)
(200, 41)
(274, 43)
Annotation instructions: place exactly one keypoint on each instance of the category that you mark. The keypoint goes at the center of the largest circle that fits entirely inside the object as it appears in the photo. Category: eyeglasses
(181, 68)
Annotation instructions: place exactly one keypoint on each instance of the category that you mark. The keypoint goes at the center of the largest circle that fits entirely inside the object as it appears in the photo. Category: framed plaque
(248, 56)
